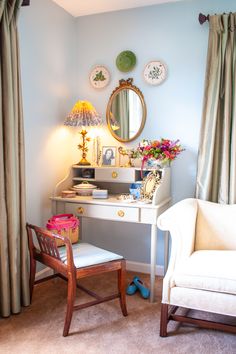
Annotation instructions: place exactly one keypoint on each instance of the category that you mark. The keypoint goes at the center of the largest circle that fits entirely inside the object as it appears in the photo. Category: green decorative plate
(126, 61)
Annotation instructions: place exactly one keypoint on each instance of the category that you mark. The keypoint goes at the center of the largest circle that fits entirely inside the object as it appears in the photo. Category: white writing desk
(114, 209)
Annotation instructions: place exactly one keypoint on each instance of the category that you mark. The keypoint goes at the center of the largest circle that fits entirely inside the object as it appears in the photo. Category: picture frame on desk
(109, 155)
(149, 185)
(123, 160)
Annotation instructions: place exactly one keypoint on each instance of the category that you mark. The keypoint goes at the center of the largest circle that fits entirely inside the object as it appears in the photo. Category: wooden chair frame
(168, 313)
(48, 255)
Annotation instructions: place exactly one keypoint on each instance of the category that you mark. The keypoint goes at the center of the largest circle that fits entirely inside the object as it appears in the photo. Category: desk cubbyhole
(85, 173)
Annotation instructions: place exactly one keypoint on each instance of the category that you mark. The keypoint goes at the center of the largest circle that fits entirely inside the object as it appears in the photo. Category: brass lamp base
(84, 162)
(84, 148)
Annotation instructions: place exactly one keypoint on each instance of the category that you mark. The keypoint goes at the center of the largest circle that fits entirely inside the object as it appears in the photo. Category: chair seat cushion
(86, 255)
(208, 270)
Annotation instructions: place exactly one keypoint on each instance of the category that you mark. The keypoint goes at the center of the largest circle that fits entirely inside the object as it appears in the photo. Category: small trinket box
(100, 193)
(68, 194)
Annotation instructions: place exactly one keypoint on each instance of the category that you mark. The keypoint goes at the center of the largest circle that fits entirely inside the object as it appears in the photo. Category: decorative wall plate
(155, 72)
(126, 61)
(99, 76)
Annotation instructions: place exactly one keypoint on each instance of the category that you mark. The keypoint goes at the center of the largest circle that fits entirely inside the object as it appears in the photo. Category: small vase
(156, 164)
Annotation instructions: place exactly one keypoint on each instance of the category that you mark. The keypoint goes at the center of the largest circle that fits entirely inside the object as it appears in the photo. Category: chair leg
(70, 304)
(32, 276)
(122, 288)
(164, 320)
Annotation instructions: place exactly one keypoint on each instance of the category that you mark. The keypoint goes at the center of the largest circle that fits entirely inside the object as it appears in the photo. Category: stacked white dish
(84, 188)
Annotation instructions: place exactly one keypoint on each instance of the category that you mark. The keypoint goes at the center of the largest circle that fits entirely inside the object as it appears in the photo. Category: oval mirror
(126, 112)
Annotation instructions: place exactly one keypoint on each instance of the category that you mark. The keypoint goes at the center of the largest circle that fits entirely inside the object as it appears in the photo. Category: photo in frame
(109, 156)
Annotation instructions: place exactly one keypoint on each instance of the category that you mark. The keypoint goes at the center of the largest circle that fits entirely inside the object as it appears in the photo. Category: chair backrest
(215, 226)
(46, 240)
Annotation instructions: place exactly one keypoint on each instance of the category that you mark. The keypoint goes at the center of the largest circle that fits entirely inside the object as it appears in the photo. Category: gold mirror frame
(126, 84)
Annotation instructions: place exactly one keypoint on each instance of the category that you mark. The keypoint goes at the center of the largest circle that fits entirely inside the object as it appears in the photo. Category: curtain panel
(121, 112)
(216, 175)
(14, 280)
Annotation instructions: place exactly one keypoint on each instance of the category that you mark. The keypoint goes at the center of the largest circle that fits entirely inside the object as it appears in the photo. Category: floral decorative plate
(126, 61)
(155, 72)
(99, 76)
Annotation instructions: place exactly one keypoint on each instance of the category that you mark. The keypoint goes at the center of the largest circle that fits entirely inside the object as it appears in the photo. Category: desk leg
(153, 261)
(80, 229)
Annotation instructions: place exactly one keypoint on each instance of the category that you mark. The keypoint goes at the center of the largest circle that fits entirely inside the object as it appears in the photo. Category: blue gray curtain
(14, 280)
(216, 175)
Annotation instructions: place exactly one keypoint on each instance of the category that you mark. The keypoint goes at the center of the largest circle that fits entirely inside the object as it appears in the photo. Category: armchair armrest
(180, 221)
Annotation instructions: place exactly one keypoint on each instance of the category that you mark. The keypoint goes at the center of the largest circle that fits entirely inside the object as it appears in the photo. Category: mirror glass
(126, 112)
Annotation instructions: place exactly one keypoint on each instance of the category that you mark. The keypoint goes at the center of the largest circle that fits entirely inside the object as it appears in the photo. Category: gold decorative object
(127, 152)
(121, 213)
(149, 186)
(80, 210)
(84, 148)
(114, 174)
(83, 115)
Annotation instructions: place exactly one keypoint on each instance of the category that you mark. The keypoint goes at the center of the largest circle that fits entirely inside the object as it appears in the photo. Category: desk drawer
(125, 175)
(103, 212)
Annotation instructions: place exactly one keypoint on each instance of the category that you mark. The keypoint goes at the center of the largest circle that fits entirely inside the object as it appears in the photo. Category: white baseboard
(43, 273)
(143, 268)
(130, 265)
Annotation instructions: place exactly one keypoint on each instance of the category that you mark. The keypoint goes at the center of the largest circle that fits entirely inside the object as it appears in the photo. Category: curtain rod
(203, 18)
(25, 3)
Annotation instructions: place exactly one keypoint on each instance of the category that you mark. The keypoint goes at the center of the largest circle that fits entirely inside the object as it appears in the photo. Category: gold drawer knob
(80, 210)
(121, 213)
(114, 174)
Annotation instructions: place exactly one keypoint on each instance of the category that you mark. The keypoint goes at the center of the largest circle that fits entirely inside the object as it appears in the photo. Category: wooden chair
(73, 262)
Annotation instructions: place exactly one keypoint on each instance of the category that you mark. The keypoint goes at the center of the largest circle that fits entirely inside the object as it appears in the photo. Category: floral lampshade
(83, 114)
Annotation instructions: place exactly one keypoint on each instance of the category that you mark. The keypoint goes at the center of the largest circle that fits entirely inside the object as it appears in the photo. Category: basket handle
(61, 216)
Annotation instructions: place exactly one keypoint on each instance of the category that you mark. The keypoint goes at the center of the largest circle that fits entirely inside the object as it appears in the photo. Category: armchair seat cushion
(86, 255)
(208, 270)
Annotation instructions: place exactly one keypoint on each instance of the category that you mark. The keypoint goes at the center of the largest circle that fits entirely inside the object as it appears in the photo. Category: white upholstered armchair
(202, 268)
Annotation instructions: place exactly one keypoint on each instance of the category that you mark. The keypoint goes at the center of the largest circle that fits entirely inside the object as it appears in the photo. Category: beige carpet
(102, 328)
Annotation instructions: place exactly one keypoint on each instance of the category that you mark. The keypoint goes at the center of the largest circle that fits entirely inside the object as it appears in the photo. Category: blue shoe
(145, 292)
(131, 289)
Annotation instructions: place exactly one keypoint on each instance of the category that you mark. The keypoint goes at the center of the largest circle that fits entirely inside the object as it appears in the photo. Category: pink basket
(64, 225)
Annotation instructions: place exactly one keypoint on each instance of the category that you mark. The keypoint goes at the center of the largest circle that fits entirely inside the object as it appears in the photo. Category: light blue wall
(47, 48)
(57, 53)
(172, 33)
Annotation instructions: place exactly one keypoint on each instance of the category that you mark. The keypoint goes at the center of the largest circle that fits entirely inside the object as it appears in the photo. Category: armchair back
(215, 226)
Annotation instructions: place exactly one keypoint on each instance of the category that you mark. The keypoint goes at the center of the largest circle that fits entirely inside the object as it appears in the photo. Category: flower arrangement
(164, 151)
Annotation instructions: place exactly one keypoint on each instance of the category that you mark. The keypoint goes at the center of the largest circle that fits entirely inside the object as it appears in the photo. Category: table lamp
(83, 115)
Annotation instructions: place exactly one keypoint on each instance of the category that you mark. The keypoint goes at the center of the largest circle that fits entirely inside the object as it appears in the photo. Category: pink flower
(165, 150)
